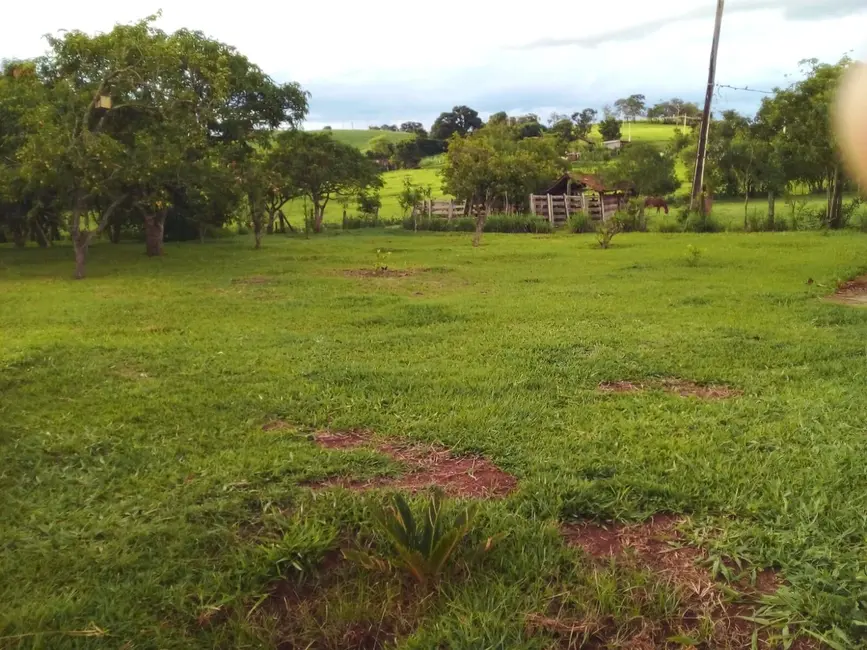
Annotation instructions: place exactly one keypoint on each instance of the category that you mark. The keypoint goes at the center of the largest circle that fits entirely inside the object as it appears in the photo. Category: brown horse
(656, 202)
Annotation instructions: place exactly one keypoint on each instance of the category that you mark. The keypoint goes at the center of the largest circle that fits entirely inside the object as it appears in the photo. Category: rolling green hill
(651, 132)
(361, 137)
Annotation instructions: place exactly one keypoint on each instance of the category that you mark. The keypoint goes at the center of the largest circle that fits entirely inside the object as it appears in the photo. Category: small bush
(243, 229)
(581, 222)
(496, 223)
(669, 226)
(517, 224)
(606, 231)
(631, 221)
(693, 221)
(693, 255)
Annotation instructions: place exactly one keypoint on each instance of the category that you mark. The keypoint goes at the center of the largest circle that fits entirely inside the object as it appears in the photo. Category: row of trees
(136, 126)
(788, 146)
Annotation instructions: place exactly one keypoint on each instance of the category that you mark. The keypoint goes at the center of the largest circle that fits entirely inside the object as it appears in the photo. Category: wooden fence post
(451, 209)
(566, 199)
(533, 205)
(602, 205)
(550, 210)
(584, 203)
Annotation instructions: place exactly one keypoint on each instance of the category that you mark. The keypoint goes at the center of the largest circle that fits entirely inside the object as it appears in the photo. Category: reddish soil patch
(658, 546)
(852, 292)
(426, 466)
(691, 389)
(382, 273)
(675, 386)
(310, 611)
(342, 439)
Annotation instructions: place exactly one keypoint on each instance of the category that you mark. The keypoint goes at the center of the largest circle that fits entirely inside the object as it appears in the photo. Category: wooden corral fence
(558, 208)
(442, 208)
(448, 208)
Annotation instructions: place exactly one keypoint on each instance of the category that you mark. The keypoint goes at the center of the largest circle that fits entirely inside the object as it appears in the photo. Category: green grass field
(144, 506)
(393, 184)
(361, 138)
(642, 132)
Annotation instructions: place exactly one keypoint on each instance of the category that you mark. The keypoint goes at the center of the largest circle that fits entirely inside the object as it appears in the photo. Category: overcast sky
(390, 61)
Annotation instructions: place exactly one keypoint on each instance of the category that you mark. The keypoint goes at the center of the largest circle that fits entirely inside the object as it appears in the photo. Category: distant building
(615, 145)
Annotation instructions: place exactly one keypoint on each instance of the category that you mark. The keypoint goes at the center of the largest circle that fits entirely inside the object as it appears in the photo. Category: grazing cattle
(656, 202)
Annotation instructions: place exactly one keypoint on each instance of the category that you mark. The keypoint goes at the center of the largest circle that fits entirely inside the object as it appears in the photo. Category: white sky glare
(389, 61)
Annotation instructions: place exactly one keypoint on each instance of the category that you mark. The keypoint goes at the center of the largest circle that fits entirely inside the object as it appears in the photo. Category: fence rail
(555, 208)
(558, 208)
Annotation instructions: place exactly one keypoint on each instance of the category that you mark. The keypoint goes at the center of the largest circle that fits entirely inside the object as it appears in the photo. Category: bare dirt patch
(656, 545)
(851, 292)
(426, 466)
(383, 273)
(342, 439)
(674, 386)
(332, 608)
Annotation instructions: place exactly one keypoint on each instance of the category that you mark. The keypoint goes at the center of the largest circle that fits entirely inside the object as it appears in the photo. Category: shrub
(517, 224)
(669, 226)
(693, 255)
(495, 223)
(580, 222)
(631, 221)
(243, 229)
(694, 221)
(369, 202)
(605, 231)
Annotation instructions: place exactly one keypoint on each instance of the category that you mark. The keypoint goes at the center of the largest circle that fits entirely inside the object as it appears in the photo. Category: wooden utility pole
(698, 178)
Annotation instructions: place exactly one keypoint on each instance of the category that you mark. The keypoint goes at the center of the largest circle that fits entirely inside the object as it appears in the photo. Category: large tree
(415, 128)
(321, 168)
(648, 168)
(128, 116)
(461, 120)
(584, 121)
(795, 123)
(496, 166)
(631, 107)
(609, 128)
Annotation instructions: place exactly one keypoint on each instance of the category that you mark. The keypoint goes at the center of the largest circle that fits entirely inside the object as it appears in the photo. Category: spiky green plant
(423, 544)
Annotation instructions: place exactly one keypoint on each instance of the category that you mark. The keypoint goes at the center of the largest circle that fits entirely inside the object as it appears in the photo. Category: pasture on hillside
(175, 476)
(360, 138)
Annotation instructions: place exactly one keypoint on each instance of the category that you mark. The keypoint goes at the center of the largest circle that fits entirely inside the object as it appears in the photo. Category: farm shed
(580, 192)
(615, 145)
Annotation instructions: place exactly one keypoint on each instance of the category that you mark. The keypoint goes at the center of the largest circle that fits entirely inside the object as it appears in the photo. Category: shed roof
(588, 182)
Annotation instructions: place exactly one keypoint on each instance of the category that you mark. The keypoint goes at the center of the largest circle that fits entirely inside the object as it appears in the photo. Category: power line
(747, 89)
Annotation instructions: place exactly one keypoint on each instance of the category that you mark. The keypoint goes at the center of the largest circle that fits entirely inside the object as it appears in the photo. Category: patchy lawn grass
(159, 423)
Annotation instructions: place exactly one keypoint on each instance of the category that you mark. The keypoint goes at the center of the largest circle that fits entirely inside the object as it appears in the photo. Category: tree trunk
(835, 200)
(19, 236)
(772, 201)
(114, 233)
(154, 226)
(318, 215)
(272, 215)
(746, 209)
(258, 233)
(202, 228)
(80, 242)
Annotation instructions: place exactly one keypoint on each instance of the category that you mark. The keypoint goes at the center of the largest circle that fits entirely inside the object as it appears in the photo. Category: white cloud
(385, 60)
